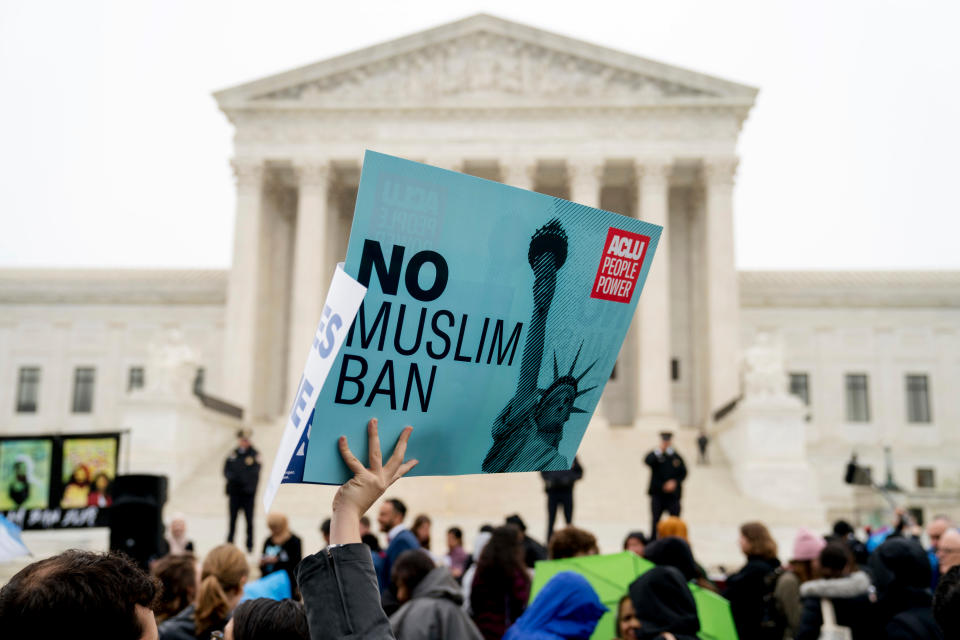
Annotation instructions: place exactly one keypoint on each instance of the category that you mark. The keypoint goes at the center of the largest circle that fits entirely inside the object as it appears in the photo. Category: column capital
(248, 172)
(585, 169)
(518, 172)
(450, 163)
(720, 170)
(312, 173)
(653, 169)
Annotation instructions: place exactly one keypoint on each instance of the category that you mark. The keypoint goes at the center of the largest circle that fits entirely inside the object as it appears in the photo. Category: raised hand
(368, 483)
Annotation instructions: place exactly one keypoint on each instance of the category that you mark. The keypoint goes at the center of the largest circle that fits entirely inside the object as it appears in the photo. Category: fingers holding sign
(368, 483)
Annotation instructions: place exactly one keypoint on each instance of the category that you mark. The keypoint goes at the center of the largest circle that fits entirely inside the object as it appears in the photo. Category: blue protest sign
(492, 319)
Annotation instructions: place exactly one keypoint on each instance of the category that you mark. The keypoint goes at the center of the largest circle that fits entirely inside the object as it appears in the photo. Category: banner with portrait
(57, 481)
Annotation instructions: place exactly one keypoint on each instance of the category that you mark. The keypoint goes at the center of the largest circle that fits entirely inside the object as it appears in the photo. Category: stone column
(243, 288)
(653, 399)
(721, 295)
(520, 173)
(309, 266)
(586, 177)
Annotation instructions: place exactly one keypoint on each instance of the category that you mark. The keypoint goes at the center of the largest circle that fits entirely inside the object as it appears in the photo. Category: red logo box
(620, 265)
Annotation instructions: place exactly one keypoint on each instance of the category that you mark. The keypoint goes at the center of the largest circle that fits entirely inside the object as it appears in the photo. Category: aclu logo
(620, 265)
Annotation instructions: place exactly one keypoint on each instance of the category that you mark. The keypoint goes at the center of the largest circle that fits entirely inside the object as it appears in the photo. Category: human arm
(339, 585)
(787, 595)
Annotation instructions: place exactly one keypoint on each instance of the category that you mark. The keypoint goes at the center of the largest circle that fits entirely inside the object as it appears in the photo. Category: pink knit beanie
(807, 545)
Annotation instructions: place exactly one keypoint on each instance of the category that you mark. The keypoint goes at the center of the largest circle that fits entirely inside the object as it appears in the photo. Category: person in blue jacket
(567, 608)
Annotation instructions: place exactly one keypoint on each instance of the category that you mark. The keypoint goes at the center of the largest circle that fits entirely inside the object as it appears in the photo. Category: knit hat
(807, 545)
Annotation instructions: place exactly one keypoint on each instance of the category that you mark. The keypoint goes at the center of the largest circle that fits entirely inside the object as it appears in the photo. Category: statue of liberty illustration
(528, 431)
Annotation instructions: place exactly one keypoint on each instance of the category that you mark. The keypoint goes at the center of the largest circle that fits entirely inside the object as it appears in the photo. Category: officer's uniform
(242, 471)
(664, 466)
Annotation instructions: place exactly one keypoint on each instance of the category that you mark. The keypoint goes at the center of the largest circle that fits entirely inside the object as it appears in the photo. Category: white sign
(339, 310)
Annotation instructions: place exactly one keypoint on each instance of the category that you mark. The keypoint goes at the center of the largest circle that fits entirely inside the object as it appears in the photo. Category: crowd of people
(887, 587)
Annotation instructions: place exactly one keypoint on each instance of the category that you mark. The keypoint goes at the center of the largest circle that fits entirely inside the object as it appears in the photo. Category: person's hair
(266, 619)
(517, 521)
(502, 557)
(457, 533)
(77, 594)
(759, 541)
(803, 569)
(365, 521)
(487, 528)
(946, 603)
(637, 535)
(371, 541)
(417, 523)
(398, 506)
(411, 567)
(834, 559)
(224, 569)
(325, 527)
(672, 527)
(842, 528)
(178, 577)
(570, 542)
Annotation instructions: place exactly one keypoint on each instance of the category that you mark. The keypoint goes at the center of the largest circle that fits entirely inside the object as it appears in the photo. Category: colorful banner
(491, 323)
(49, 482)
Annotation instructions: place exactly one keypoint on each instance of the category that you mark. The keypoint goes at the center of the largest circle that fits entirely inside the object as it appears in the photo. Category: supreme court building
(870, 360)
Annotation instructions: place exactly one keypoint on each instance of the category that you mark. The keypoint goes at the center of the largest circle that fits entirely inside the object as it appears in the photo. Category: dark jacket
(340, 595)
(566, 607)
(435, 611)
(242, 471)
(403, 541)
(901, 574)
(288, 556)
(746, 590)
(183, 627)
(664, 604)
(663, 467)
(562, 481)
(533, 551)
(850, 597)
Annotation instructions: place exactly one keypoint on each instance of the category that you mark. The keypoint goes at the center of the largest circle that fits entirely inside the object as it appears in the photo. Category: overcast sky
(113, 152)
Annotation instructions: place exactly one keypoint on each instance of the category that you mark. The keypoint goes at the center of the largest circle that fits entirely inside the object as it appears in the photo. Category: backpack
(772, 621)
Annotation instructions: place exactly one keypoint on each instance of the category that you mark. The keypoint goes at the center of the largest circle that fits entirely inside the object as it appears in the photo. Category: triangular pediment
(485, 62)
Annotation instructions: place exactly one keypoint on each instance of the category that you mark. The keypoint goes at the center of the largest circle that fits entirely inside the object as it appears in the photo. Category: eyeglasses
(216, 635)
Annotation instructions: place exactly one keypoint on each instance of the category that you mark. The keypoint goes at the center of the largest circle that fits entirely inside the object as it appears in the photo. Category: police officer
(242, 471)
(667, 472)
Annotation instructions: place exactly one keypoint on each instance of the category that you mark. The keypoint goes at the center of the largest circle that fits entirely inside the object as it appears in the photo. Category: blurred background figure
(663, 605)
(567, 608)
(750, 588)
(430, 601)
(635, 541)
(179, 580)
(242, 472)
(282, 550)
(532, 550)
(501, 585)
(176, 536)
(559, 488)
(572, 542)
(800, 569)
(457, 557)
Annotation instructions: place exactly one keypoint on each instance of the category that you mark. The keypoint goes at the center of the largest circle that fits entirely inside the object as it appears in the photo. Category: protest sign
(492, 320)
(340, 307)
(56, 481)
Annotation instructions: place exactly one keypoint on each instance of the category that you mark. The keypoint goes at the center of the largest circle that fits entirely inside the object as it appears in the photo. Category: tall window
(135, 378)
(28, 389)
(800, 386)
(925, 478)
(918, 399)
(83, 378)
(858, 402)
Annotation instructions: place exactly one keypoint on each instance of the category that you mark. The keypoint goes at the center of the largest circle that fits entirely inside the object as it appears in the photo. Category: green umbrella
(610, 576)
(716, 621)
